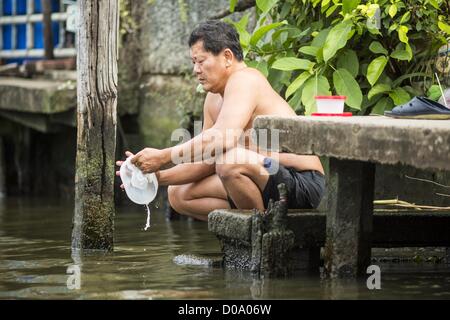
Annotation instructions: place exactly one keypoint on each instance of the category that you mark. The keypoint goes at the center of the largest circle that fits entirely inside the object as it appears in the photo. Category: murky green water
(35, 258)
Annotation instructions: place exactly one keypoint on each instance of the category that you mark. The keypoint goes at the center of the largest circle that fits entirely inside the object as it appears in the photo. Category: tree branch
(242, 5)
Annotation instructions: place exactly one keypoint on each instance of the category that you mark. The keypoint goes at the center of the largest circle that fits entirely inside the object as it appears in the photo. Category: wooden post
(97, 56)
(48, 35)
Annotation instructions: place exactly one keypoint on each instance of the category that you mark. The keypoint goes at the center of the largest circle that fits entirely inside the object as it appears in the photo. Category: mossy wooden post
(96, 115)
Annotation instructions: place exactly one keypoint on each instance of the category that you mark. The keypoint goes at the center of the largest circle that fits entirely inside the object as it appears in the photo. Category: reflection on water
(36, 262)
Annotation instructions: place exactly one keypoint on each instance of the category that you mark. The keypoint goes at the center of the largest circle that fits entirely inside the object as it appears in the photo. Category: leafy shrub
(377, 53)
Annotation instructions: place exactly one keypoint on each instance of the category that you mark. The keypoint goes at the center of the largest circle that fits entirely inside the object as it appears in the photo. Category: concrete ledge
(390, 229)
(422, 144)
(37, 96)
(233, 224)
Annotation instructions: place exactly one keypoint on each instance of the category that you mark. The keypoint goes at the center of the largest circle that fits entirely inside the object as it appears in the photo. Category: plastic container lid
(140, 188)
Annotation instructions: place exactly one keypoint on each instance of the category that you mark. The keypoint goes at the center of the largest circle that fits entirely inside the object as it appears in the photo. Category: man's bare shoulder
(248, 77)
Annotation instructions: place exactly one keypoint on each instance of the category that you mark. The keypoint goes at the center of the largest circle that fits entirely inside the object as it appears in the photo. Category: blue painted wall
(21, 30)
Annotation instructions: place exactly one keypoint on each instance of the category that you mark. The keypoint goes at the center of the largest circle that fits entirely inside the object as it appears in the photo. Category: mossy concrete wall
(167, 101)
(166, 27)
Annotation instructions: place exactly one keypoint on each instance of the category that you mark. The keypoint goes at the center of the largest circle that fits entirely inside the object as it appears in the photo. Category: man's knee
(235, 163)
(228, 172)
(175, 196)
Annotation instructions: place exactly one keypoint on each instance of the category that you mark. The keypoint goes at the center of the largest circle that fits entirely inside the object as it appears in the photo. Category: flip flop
(420, 108)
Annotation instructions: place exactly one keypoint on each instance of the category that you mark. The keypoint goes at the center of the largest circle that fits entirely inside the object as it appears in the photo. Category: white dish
(140, 188)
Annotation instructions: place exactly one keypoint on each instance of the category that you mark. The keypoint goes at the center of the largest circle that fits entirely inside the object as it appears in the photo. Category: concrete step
(390, 229)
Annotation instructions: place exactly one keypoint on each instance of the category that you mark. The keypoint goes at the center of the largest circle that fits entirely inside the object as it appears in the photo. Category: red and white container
(330, 104)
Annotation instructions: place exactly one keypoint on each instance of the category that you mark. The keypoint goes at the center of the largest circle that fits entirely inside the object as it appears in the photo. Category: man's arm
(191, 172)
(184, 173)
(239, 102)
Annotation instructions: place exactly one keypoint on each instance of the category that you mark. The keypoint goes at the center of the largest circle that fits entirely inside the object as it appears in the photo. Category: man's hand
(119, 164)
(148, 160)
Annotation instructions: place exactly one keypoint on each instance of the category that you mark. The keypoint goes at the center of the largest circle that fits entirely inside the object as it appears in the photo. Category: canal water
(36, 262)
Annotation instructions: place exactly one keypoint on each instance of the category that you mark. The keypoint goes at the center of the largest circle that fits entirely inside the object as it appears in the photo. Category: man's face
(209, 69)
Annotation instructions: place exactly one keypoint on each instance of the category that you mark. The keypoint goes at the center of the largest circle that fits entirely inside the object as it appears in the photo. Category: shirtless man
(236, 95)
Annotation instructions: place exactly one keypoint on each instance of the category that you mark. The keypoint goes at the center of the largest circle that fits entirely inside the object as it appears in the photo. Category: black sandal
(420, 108)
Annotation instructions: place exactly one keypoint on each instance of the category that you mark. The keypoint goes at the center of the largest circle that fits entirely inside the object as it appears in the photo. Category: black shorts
(305, 189)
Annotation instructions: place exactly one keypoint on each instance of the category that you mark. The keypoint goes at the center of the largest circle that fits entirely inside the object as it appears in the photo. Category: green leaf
(349, 5)
(392, 10)
(347, 86)
(384, 104)
(289, 64)
(277, 78)
(241, 27)
(320, 38)
(258, 34)
(260, 65)
(434, 92)
(401, 55)
(419, 26)
(265, 5)
(377, 89)
(313, 87)
(309, 50)
(402, 34)
(325, 3)
(444, 27)
(296, 101)
(336, 39)
(292, 32)
(297, 83)
(434, 3)
(349, 60)
(393, 27)
(331, 10)
(399, 96)
(377, 47)
(405, 18)
(233, 5)
(409, 50)
(372, 9)
(376, 68)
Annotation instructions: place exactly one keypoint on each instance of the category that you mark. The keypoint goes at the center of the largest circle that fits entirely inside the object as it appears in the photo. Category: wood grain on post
(47, 23)
(96, 115)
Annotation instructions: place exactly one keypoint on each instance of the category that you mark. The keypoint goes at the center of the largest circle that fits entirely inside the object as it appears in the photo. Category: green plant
(378, 53)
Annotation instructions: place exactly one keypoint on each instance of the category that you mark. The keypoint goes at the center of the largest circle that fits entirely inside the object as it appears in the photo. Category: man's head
(215, 48)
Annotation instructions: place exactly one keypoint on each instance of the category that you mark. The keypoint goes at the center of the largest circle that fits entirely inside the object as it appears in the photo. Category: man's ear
(228, 54)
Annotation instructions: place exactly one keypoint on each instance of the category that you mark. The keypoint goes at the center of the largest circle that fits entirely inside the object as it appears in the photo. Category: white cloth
(140, 188)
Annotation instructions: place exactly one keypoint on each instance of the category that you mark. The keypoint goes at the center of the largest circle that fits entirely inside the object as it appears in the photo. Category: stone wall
(166, 27)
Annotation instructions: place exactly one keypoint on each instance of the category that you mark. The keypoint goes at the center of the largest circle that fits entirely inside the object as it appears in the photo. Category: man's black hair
(217, 36)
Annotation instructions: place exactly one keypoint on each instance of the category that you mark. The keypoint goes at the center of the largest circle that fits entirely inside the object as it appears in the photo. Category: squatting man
(233, 174)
